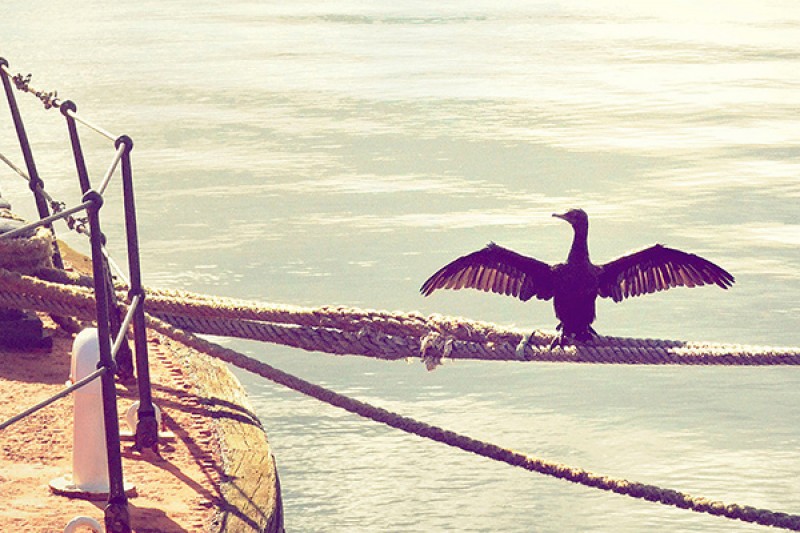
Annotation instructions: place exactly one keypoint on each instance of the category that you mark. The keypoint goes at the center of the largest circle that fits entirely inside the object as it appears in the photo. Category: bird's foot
(559, 340)
(526, 340)
(564, 338)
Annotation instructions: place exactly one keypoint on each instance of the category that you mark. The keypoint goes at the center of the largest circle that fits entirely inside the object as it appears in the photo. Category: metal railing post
(124, 358)
(117, 517)
(77, 150)
(36, 184)
(147, 426)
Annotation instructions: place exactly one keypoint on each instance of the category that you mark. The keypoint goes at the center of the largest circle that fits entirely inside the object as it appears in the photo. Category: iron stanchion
(124, 357)
(117, 518)
(147, 427)
(35, 182)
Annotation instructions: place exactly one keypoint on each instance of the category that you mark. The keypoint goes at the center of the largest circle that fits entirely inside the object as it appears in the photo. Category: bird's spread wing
(495, 269)
(656, 269)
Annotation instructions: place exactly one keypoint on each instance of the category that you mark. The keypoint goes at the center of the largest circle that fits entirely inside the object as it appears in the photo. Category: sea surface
(339, 152)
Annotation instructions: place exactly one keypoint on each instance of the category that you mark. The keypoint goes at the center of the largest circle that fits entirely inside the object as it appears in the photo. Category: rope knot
(434, 347)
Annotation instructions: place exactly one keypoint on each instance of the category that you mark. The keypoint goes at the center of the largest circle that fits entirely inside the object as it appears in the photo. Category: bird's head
(576, 217)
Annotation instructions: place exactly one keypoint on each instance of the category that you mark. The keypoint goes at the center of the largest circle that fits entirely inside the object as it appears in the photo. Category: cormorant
(575, 285)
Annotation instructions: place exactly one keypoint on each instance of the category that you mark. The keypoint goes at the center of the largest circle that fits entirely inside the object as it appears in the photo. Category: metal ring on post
(36, 184)
(66, 106)
(95, 198)
(111, 367)
(124, 139)
(134, 292)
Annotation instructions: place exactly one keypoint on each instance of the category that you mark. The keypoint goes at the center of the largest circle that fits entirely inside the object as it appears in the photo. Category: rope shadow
(199, 405)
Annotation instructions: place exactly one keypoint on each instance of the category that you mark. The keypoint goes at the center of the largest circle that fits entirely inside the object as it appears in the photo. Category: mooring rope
(74, 296)
(381, 334)
(633, 489)
(26, 254)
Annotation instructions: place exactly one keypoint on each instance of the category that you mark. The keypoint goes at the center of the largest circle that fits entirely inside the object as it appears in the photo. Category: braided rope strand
(31, 293)
(575, 475)
(387, 335)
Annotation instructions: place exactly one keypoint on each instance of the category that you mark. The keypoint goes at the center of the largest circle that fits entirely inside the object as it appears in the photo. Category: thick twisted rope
(396, 335)
(43, 295)
(387, 335)
(492, 451)
(26, 254)
(25, 292)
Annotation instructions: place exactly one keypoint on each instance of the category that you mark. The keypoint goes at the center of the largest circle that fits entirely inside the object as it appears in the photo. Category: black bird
(575, 285)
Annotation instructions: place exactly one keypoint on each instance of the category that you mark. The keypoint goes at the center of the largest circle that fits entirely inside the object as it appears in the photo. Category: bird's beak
(562, 217)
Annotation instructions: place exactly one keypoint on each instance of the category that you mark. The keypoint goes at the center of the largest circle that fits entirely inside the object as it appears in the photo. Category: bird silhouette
(575, 285)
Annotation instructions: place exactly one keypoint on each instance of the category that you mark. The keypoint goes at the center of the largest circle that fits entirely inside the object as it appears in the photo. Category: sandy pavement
(175, 493)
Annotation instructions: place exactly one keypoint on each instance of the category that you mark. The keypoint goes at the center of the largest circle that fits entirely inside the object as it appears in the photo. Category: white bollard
(89, 460)
(83, 521)
(89, 477)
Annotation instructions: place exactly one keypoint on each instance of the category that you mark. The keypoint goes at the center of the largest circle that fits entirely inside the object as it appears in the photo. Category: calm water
(339, 152)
